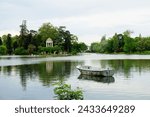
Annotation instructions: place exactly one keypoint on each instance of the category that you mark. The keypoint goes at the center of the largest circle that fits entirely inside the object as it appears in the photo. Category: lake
(33, 77)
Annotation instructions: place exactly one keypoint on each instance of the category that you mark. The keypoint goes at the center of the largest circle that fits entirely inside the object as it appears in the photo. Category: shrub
(64, 92)
(2, 50)
(74, 52)
(31, 48)
(20, 51)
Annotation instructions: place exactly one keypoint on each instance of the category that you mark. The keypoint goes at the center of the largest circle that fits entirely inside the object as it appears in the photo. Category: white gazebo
(49, 42)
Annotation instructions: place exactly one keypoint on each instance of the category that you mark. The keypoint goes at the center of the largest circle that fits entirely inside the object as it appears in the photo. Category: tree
(15, 42)
(9, 44)
(140, 44)
(31, 48)
(129, 45)
(103, 46)
(128, 33)
(15, 45)
(83, 46)
(47, 30)
(103, 38)
(20, 51)
(115, 43)
(23, 35)
(1, 41)
(95, 47)
(75, 48)
(121, 42)
(4, 38)
(67, 43)
(27, 40)
(24, 31)
(2, 50)
(67, 38)
(109, 46)
(35, 38)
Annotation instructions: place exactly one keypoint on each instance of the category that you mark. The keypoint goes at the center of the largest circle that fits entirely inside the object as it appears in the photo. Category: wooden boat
(94, 71)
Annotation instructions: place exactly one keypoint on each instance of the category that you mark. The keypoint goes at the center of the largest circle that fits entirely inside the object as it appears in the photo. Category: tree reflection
(26, 72)
(127, 66)
(58, 71)
(46, 72)
(7, 70)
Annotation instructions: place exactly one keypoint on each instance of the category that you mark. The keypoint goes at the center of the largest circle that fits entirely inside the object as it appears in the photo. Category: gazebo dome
(49, 40)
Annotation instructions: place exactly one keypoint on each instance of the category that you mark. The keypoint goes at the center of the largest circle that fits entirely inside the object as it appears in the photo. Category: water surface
(32, 77)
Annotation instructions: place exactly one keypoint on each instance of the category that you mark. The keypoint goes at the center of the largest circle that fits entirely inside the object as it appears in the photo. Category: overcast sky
(88, 19)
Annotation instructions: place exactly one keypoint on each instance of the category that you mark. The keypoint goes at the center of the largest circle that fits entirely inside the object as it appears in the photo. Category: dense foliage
(2, 50)
(64, 92)
(34, 42)
(123, 43)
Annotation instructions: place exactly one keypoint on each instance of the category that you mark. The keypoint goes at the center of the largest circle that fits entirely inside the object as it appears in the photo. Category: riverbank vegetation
(122, 43)
(34, 42)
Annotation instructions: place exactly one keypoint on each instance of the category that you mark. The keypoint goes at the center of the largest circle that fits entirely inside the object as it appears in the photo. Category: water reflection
(127, 67)
(33, 80)
(97, 78)
(51, 71)
(46, 73)
(49, 66)
(7, 70)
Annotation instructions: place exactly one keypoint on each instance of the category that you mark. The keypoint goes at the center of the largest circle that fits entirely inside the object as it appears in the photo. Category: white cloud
(108, 19)
(88, 19)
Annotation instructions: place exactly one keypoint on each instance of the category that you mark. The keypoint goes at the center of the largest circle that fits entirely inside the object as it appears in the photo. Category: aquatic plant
(64, 92)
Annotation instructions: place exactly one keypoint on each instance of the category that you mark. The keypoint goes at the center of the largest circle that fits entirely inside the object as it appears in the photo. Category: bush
(2, 50)
(20, 51)
(74, 52)
(31, 48)
(49, 50)
(64, 92)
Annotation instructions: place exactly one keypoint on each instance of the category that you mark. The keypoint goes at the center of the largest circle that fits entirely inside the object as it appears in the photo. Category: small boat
(94, 71)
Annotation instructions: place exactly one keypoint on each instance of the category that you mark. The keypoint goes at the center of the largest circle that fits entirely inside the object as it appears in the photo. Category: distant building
(49, 42)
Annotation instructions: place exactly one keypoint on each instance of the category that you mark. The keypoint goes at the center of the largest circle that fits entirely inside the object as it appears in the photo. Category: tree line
(122, 43)
(34, 42)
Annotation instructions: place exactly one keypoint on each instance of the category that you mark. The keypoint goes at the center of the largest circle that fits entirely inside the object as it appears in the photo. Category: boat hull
(96, 72)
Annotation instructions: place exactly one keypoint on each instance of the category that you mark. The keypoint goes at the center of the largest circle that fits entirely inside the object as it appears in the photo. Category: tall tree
(47, 30)
(23, 35)
(115, 43)
(9, 44)
(15, 42)
(35, 39)
(24, 31)
(103, 38)
(67, 39)
(27, 41)
(67, 44)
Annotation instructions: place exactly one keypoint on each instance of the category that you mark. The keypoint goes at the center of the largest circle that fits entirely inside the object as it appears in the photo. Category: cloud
(88, 19)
